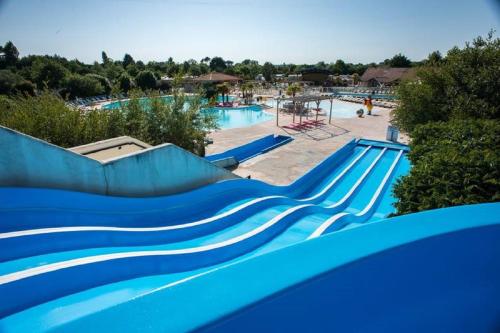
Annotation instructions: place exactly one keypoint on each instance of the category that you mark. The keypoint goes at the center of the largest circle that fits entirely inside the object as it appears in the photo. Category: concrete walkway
(287, 163)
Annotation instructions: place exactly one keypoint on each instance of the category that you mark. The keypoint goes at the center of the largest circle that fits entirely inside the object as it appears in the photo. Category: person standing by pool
(369, 104)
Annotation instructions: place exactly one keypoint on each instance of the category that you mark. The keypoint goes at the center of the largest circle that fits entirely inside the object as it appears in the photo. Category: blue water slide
(254, 148)
(76, 243)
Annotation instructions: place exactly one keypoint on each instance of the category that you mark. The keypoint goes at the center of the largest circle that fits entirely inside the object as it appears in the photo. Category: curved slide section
(263, 218)
(44, 240)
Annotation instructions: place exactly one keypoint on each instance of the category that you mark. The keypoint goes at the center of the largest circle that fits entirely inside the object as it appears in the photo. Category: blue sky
(298, 31)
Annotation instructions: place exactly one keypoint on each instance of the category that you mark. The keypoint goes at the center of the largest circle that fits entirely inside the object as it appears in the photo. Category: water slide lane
(248, 223)
(38, 241)
(364, 205)
(386, 204)
(252, 235)
(77, 305)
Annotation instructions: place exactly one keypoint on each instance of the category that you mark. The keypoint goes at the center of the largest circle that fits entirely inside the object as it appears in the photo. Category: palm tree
(247, 90)
(224, 90)
(293, 89)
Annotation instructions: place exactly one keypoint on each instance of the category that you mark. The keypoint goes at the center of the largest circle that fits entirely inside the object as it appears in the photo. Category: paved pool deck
(285, 164)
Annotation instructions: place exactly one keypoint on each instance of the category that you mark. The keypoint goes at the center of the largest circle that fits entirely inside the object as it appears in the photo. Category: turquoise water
(227, 117)
(239, 117)
(340, 109)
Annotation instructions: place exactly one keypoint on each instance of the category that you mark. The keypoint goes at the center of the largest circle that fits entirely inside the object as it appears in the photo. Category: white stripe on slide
(41, 231)
(170, 227)
(325, 225)
(12, 277)
(359, 181)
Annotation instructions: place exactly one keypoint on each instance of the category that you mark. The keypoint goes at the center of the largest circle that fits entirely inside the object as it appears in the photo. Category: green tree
(217, 64)
(247, 90)
(355, 78)
(82, 86)
(48, 72)
(105, 83)
(209, 90)
(105, 58)
(146, 80)
(293, 89)
(223, 89)
(399, 60)
(11, 53)
(453, 163)
(125, 82)
(434, 58)
(340, 67)
(464, 85)
(11, 83)
(451, 114)
(268, 70)
(128, 60)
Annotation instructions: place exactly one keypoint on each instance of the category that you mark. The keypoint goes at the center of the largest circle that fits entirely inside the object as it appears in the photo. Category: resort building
(216, 77)
(385, 76)
(315, 75)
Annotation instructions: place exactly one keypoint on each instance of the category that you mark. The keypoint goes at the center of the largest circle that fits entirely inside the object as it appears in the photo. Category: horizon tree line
(73, 78)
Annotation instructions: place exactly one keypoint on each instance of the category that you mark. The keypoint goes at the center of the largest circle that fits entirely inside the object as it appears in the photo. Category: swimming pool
(239, 117)
(340, 109)
(228, 117)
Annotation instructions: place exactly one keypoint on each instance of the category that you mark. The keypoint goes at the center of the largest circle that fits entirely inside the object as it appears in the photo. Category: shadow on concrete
(318, 133)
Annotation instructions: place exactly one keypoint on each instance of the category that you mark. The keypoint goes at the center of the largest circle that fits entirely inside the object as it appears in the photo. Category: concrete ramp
(165, 169)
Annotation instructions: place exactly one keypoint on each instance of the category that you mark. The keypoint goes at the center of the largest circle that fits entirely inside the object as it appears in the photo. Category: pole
(300, 114)
(317, 108)
(294, 107)
(331, 106)
(277, 111)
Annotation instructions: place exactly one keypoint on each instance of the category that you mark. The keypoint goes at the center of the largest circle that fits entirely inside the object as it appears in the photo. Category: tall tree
(11, 53)
(399, 60)
(127, 60)
(105, 58)
(224, 90)
(434, 58)
(464, 86)
(217, 64)
(268, 70)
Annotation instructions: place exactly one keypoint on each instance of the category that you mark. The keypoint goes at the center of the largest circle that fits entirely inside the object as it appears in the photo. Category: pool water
(340, 109)
(227, 117)
(239, 117)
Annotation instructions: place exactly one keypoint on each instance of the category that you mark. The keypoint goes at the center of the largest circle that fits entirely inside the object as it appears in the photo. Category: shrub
(157, 121)
(454, 163)
(45, 116)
